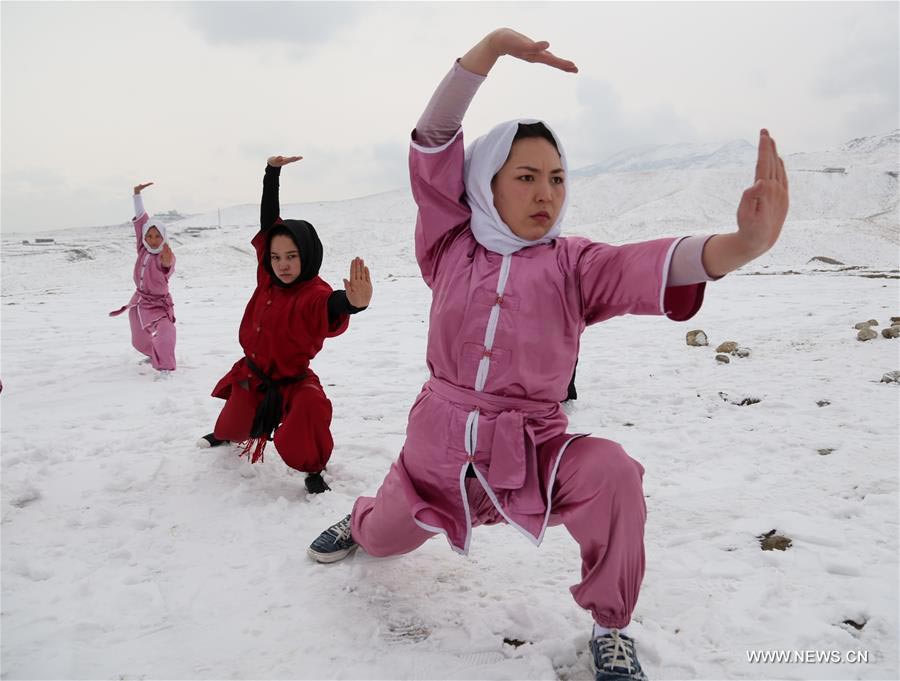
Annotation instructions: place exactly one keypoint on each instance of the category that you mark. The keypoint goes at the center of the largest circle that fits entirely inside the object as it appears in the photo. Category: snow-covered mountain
(886, 144)
(737, 153)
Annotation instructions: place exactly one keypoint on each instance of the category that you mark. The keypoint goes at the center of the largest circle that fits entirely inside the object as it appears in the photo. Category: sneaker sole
(332, 557)
(203, 443)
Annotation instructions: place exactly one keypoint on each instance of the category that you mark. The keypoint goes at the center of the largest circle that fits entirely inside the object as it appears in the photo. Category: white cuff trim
(435, 150)
(665, 274)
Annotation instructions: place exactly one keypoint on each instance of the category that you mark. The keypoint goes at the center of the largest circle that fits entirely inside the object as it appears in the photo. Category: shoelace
(616, 652)
(341, 531)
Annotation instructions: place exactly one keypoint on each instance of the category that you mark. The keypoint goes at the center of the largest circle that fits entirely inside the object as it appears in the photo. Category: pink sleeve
(436, 180)
(444, 114)
(139, 223)
(687, 262)
(139, 220)
(632, 279)
(170, 270)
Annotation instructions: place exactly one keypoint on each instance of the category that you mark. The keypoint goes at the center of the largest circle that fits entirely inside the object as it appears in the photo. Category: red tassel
(258, 447)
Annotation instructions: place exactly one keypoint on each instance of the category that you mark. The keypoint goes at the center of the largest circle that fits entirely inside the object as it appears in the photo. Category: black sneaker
(315, 484)
(614, 658)
(333, 544)
(211, 441)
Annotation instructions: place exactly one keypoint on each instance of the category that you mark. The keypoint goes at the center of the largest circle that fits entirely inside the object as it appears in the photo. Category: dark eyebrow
(536, 170)
(285, 253)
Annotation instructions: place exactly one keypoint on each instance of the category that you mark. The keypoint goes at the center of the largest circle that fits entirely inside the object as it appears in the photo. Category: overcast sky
(97, 96)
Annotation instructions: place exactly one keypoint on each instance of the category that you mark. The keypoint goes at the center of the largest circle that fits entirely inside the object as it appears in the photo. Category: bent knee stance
(303, 439)
(162, 339)
(236, 417)
(594, 467)
(383, 525)
(600, 500)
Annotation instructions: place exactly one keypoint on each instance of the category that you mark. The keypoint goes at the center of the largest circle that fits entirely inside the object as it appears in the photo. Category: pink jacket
(151, 281)
(502, 344)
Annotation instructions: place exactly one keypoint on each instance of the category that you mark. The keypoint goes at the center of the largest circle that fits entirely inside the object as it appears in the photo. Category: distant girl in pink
(150, 310)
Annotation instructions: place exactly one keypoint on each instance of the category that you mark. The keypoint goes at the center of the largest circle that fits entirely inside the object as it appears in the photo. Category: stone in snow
(697, 338)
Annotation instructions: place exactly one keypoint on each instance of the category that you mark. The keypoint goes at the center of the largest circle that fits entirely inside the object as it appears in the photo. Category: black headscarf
(307, 241)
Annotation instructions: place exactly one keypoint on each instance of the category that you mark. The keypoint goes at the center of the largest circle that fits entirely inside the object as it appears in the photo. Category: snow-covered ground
(128, 553)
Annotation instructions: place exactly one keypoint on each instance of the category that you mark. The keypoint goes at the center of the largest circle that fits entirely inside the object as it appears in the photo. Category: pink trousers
(154, 336)
(597, 495)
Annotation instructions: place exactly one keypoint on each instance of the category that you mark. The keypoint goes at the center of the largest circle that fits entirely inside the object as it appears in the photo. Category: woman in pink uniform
(486, 439)
(150, 310)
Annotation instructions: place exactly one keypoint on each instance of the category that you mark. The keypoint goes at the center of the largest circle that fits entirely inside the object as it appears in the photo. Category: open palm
(763, 207)
(513, 43)
(359, 285)
(279, 161)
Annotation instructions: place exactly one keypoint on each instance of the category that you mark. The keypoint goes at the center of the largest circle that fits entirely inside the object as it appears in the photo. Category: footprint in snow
(25, 497)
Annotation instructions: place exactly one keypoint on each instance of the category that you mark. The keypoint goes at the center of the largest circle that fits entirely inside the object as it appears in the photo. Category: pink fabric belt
(513, 462)
(163, 301)
(487, 401)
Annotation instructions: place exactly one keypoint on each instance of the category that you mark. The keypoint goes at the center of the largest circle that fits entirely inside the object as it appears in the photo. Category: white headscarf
(484, 157)
(162, 233)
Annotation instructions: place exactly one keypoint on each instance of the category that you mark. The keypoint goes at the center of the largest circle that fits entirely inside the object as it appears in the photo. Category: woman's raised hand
(166, 256)
(764, 206)
(359, 285)
(138, 188)
(481, 58)
(278, 161)
(760, 215)
(507, 41)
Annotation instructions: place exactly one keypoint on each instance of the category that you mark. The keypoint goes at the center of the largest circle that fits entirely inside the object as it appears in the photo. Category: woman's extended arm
(269, 209)
(138, 201)
(140, 214)
(444, 114)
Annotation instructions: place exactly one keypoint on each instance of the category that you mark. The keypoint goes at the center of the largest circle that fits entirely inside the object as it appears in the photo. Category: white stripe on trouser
(472, 432)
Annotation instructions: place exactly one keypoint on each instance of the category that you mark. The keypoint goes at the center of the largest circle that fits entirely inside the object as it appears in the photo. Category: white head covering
(162, 233)
(484, 157)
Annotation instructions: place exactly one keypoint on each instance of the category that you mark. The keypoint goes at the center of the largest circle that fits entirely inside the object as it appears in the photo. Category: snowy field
(128, 553)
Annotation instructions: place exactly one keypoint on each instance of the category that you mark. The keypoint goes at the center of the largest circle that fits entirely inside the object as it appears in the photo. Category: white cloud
(302, 25)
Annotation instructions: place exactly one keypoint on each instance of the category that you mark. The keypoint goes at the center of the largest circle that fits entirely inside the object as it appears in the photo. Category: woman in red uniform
(291, 313)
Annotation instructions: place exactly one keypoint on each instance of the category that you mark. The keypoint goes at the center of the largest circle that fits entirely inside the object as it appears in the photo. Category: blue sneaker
(614, 658)
(333, 544)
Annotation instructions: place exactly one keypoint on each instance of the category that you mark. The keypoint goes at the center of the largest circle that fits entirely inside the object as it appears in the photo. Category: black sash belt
(268, 414)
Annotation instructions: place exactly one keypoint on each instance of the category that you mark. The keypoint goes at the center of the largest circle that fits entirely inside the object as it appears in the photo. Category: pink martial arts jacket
(151, 281)
(502, 345)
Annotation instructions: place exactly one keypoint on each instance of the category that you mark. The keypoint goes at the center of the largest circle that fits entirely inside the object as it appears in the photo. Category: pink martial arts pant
(153, 335)
(597, 495)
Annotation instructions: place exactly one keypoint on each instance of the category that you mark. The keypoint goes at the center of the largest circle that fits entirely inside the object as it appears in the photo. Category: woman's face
(530, 188)
(285, 258)
(153, 238)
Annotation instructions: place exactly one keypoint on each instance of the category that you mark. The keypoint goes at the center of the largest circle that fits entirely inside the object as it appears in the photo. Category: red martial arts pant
(304, 437)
